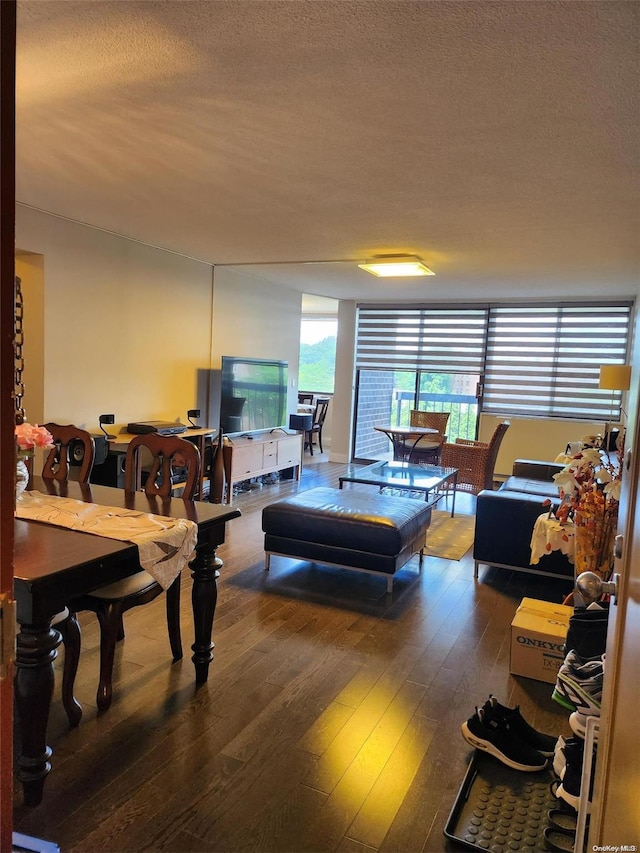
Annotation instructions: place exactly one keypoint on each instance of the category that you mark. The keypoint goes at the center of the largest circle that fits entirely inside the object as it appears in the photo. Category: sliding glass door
(386, 397)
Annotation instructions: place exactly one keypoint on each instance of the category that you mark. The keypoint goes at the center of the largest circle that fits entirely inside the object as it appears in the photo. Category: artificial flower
(30, 436)
(589, 487)
(613, 489)
(566, 481)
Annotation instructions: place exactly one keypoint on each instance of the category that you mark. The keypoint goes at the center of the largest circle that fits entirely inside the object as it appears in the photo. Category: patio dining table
(403, 436)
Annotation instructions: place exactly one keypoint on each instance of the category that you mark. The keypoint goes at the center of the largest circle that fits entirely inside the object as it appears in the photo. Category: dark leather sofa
(505, 520)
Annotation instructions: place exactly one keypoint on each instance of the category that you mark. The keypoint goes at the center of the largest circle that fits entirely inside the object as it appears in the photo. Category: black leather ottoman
(350, 529)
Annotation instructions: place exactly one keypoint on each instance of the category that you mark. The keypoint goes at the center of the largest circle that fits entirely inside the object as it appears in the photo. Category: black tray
(501, 810)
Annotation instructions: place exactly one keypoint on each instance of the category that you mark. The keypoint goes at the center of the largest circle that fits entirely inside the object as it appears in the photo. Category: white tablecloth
(165, 544)
(550, 535)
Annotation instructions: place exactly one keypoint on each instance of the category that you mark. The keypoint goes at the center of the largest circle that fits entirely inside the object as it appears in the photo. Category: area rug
(448, 537)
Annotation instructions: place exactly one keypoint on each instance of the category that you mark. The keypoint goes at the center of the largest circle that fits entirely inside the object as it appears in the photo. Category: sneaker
(569, 788)
(578, 723)
(579, 684)
(559, 839)
(496, 737)
(545, 744)
(564, 819)
(587, 634)
(571, 753)
(560, 757)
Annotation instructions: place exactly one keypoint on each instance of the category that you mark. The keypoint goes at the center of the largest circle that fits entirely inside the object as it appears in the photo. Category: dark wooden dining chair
(71, 444)
(322, 404)
(174, 462)
(72, 448)
(304, 398)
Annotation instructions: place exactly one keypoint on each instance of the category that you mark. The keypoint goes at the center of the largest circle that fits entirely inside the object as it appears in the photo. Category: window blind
(545, 360)
(434, 339)
(536, 359)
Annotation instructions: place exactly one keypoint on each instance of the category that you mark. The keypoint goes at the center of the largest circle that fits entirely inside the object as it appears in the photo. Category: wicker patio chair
(429, 447)
(475, 460)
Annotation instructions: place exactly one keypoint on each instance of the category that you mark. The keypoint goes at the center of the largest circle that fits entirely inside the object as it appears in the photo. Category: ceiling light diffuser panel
(397, 266)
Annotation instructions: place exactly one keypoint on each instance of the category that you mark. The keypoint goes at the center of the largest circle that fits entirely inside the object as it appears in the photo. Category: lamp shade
(615, 377)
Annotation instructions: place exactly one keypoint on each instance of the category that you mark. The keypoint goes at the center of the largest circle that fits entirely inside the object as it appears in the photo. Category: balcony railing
(463, 407)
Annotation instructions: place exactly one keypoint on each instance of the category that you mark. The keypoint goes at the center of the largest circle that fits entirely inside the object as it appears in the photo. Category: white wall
(342, 406)
(130, 329)
(255, 319)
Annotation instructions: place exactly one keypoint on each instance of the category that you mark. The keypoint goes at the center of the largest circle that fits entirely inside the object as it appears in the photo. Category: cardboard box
(538, 632)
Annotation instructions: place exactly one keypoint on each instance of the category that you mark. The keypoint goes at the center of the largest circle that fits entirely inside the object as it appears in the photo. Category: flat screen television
(253, 394)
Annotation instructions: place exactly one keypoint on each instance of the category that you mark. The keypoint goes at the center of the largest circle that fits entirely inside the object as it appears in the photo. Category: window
(545, 360)
(535, 359)
(317, 354)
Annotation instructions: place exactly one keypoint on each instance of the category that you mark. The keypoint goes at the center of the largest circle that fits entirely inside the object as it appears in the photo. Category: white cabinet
(289, 451)
(265, 453)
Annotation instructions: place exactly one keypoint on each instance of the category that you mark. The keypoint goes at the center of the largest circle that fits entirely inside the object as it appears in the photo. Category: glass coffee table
(406, 477)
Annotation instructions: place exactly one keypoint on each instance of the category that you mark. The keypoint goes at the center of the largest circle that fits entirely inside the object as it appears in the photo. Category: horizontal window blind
(545, 360)
(536, 359)
(434, 339)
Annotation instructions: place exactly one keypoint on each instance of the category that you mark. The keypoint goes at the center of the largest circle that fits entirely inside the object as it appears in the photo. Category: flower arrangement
(589, 487)
(28, 437)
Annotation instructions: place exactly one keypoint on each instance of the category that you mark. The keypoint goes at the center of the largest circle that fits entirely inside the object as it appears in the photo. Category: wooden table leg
(204, 596)
(35, 654)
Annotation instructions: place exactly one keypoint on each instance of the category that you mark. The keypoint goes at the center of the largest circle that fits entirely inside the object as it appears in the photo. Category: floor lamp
(614, 377)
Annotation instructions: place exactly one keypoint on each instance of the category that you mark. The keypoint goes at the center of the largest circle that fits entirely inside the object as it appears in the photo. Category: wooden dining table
(53, 565)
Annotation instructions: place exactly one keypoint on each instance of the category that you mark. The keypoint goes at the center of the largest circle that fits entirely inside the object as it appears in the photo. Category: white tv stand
(264, 453)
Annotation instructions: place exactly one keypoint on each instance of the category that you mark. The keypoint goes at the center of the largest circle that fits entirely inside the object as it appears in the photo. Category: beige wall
(117, 326)
(131, 330)
(30, 271)
(533, 438)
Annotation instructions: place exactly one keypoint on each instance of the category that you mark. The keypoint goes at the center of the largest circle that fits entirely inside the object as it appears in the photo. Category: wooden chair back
(70, 444)
(305, 398)
(168, 453)
(322, 405)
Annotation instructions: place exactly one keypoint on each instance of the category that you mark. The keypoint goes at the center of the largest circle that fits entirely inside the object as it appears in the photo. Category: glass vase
(594, 545)
(22, 477)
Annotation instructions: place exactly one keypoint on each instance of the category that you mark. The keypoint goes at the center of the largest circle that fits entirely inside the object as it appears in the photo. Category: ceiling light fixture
(396, 266)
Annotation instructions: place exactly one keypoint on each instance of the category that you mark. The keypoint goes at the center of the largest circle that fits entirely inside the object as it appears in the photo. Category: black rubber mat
(500, 809)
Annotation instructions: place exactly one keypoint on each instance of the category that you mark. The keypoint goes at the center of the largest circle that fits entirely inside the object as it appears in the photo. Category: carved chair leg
(71, 638)
(110, 619)
(173, 619)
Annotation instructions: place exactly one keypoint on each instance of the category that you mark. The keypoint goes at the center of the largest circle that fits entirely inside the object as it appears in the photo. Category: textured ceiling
(497, 140)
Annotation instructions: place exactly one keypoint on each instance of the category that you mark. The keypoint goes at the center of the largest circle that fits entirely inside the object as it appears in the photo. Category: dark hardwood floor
(330, 721)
